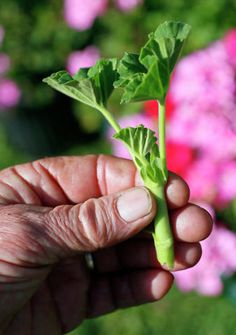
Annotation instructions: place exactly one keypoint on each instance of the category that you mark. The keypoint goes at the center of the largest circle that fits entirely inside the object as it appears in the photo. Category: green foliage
(146, 76)
(141, 143)
(91, 86)
(176, 314)
(228, 215)
(9, 156)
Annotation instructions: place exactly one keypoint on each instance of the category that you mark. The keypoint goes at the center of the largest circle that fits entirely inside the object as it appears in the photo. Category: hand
(56, 209)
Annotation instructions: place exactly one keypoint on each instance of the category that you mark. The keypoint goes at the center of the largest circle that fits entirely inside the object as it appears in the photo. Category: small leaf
(142, 145)
(129, 66)
(140, 139)
(78, 90)
(103, 75)
(146, 76)
(91, 86)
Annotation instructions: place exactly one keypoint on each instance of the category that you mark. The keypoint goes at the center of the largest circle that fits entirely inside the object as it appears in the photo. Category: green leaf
(146, 76)
(141, 143)
(91, 86)
(140, 140)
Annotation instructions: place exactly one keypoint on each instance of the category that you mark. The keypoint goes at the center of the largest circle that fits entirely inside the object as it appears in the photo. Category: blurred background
(41, 37)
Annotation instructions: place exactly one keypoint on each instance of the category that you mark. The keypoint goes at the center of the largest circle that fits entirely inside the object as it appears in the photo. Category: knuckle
(96, 222)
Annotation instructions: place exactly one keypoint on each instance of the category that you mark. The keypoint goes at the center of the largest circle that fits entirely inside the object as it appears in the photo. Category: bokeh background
(41, 37)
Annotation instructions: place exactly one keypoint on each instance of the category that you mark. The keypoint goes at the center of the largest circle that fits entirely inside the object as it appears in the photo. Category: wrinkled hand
(53, 211)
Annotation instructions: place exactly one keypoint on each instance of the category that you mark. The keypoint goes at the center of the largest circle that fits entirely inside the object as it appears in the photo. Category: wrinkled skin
(53, 211)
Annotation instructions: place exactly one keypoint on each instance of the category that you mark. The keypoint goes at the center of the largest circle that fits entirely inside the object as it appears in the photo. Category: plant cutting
(144, 76)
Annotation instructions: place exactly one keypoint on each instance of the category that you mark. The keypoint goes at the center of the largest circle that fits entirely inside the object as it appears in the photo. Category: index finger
(74, 179)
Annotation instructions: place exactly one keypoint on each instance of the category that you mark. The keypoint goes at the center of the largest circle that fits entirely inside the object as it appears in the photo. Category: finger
(43, 308)
(191, 223)
(69, 283)
(141, 254)
(108, 220)
(41, 235)
(68, 180)
(177, 191)
(127, 289)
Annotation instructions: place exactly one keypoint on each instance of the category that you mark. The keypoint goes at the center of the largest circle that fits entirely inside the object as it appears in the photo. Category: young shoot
(143, 76)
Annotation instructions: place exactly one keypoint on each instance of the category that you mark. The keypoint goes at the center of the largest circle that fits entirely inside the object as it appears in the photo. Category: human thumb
(43, 235)
(102, 222)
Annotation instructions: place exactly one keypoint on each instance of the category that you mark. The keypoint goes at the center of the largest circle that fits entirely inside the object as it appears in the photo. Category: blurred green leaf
(176, 314)
(228, 215)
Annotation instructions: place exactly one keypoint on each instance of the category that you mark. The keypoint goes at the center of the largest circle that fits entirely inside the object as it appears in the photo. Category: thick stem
(163, 238)
(162, 235)
(162, 139)
(109, 118)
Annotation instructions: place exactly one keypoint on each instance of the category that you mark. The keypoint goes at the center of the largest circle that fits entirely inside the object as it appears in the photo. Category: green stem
(162, 139)
(109, 118)
(162, 234)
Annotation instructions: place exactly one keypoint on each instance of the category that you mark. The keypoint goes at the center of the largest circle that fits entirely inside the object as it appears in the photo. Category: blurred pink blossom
(230, 45)
(4, 63)
(227, 182)
(205, 79)
(212, 181)
(218, 259)
(9, 93)
(2, 33)
(213, 134)
(126, 5)
(202, 177)
(80, 14)
(203, 91)
(82, 58)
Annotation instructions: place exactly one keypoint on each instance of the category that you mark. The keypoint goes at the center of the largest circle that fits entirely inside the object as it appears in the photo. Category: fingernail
(134, 204)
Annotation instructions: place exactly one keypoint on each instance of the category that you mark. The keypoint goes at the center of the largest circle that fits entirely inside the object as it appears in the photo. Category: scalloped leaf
(146, 76)
(91, 86)
(142, 145)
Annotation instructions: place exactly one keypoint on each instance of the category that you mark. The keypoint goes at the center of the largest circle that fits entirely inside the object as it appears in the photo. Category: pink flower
(218, 259)
(4, 63)
(227, 182)
(80, 14)
(203, 92)
(205, 79)
(2, 33)
(9, 93)
(82, 58)
(212, 181)
(126, 5)
(118, 147)
(212, 134)
(202, 177)
(230, 46)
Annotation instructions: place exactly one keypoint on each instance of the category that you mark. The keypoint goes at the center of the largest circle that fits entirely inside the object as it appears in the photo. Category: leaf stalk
(162, 138)
(109, 117)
